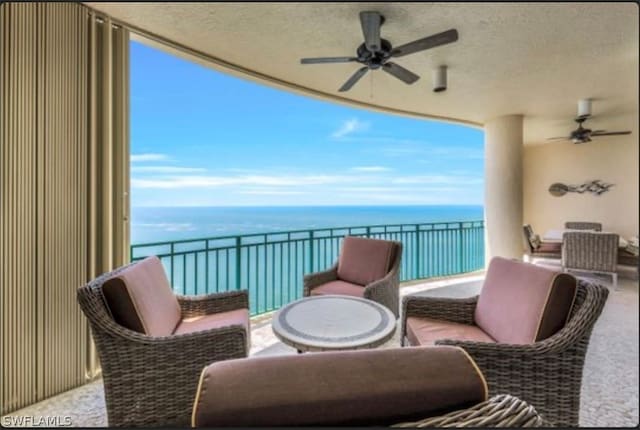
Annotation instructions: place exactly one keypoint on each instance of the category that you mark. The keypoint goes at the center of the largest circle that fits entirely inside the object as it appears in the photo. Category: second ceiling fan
(376, 52)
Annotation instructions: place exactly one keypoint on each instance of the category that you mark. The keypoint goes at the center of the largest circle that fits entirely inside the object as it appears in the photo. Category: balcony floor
(610, 386)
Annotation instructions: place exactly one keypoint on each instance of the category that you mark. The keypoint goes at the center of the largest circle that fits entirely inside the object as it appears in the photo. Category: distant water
(156, 224)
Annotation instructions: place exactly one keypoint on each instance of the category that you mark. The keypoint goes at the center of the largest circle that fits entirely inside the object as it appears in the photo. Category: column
(503, 187)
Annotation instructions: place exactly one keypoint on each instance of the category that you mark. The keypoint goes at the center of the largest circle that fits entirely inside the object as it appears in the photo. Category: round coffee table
(333, 322)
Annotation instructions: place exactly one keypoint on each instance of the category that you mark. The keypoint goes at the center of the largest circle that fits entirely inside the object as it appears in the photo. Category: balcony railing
(272, 265)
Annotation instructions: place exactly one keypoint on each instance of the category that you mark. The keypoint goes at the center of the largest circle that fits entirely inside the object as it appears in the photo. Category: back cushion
(140, 298)
(363, 261)
(521, 303)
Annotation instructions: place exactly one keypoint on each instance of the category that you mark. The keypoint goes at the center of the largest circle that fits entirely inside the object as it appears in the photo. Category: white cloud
(148, 157)
(192, 181)
(350, 126)
(167, 169)
(371, 169)
(272, 192)
(437, 179)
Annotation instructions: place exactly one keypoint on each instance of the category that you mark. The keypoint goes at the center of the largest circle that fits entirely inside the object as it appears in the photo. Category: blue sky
(203, 138)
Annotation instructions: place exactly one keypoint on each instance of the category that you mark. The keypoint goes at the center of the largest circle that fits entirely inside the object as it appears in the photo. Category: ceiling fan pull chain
(371, 86)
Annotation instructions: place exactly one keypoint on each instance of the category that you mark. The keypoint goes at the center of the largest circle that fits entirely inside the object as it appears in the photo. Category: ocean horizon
(160, 223)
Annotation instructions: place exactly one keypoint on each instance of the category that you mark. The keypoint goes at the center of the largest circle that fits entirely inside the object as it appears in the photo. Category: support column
(503, 187)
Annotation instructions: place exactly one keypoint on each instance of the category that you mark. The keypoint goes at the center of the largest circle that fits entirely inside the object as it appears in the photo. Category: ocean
(158, 224)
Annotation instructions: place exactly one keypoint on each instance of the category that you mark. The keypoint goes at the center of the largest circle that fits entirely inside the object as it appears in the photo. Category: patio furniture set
(583, 247)
(511, 356)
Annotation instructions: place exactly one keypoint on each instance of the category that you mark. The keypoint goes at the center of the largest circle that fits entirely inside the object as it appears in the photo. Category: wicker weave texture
(385, 291)
(582, 225)
(545, 374)
(151, 381)
(597, 252)
(499, 411)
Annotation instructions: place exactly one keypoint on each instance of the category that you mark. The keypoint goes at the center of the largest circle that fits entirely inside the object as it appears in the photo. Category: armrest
(378, 288)
(441, 308)
(313, 280)
(213, 303)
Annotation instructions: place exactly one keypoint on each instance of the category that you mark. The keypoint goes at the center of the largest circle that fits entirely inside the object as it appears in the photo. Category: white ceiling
(534, 59)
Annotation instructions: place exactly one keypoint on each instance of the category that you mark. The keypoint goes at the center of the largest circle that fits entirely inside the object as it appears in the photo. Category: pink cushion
(222, 319)
(339, 287)
(363, 261)
(140, 298)
(521, 303)
(553, 247)
(425, 331)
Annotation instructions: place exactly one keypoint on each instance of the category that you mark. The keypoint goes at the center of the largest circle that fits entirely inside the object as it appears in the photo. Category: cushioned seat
(368, 268)
(150, 377)
(207, 322)
(339, 287)
(425, 331)
(549, 247)
(347, 388)
(520, 303)
(628, 259)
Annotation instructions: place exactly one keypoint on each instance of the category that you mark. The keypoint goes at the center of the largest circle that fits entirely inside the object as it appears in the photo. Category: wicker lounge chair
(582, 225)
(535, 248)
(150, 380)
(545, 373)
(591, 252)
(368, 268)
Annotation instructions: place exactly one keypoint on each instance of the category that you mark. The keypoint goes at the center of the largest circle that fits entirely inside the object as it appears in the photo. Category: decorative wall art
(596, 187)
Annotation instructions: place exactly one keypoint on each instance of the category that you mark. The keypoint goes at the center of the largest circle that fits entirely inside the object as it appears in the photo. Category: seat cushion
(363, 261)
(374, 387)
(425, 331)
(521, 303)
(627, 258)
(339, 287)
(550, 247)
(140, 298)
(206, 322)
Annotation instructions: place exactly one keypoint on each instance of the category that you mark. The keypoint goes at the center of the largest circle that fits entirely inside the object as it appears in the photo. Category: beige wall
(612, 159)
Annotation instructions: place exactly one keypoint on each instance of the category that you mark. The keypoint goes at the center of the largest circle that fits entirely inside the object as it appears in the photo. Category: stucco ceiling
(532, 59)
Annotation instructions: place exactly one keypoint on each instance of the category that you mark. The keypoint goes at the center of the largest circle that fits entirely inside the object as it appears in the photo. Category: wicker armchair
(501, 410)
(591, 252)
(384, 290)
(151, 381)
(546, 374)
(581, 225)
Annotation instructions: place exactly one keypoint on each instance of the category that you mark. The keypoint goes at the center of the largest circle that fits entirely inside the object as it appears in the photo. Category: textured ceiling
(534, 59)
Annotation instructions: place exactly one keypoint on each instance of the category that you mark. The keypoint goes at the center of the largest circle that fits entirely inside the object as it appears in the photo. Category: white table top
(333, 322)
(555, 235)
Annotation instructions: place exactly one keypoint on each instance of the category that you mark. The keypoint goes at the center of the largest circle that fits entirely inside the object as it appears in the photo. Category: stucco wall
(612, 160)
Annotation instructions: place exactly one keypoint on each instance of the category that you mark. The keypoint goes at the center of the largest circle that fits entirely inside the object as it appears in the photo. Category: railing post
(368, 231)
(461, 248)
(417, 251)
(311, 269)
(171, 264)
(238, 261)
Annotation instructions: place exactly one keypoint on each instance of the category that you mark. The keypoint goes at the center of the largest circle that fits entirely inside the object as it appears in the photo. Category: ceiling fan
(582, 134)
(376, 52)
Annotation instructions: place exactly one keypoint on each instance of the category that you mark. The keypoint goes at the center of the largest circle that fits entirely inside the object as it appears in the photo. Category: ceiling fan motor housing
(374, 60)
